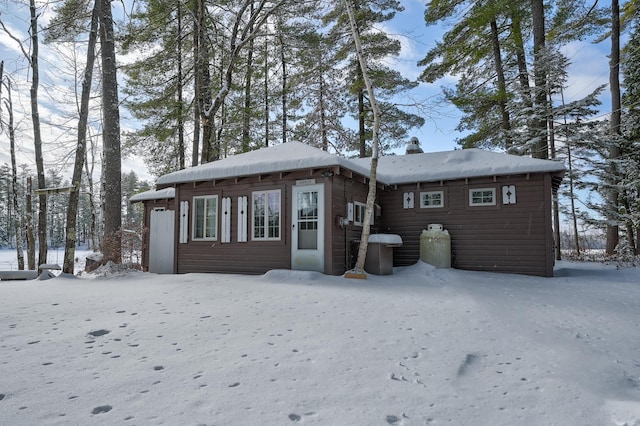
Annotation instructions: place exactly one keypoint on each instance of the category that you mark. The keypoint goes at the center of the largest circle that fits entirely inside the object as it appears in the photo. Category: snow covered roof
(449, 165)
(284, 157)
(394, 169)
(154, 195)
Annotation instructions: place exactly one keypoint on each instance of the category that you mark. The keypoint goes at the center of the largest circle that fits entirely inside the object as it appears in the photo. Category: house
(292, 206)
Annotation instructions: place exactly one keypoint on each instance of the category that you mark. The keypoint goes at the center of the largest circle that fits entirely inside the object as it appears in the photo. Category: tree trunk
(266, 93)
(630, 230)
(556, 204)
(112, 176)
(362, 128)
(371, 195)
(14, 173)
(92, 206)
(574, 215)
(37, 137)
(76, 180)
(285, 111)
(180, 88)
(31, 239)
(195, 147)
(204, 88)
(246, 112)
(502, 85)
(523, 71)
(323, 117)
(613, 232)
(540, 147)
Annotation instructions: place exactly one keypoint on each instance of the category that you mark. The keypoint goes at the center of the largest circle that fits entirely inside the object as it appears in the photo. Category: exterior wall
(148, 207)
(515, 238)
(252, 257)
(345, 190)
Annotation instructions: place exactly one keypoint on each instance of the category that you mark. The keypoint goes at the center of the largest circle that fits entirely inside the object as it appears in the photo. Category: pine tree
(630, 199)
(157, 85)
(486, 47)
(112, 164)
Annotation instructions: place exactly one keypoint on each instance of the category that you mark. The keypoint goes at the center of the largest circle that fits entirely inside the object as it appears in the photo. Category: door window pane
(308, 220)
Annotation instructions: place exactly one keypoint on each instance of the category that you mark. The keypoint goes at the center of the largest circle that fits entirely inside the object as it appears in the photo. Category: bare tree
(371, 195)
(35, 117)
(14, 173)
(76, 180)
(247, 22)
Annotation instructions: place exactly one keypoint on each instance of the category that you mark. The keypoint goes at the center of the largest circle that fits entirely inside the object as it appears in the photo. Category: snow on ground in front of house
(422, 346)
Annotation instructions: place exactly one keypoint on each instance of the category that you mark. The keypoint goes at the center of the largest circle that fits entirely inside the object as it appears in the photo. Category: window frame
(205, 217)
(356, 206)
(423, 206)
(482, 203)
(266, 216)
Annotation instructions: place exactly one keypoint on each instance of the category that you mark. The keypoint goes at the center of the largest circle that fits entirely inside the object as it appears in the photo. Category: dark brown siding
(503, 238)
(251, 257)
(345, 238)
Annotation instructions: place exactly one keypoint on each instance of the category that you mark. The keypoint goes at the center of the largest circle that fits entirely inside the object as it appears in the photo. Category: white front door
(307, 236)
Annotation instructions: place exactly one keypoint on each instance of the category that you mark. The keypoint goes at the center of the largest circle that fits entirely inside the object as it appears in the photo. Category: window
(482, 197)
(432, 199)
(266, 215)
(358, 212)
(205, 217)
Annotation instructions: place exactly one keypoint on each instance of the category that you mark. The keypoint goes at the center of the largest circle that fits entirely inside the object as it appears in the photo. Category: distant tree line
(89, 213)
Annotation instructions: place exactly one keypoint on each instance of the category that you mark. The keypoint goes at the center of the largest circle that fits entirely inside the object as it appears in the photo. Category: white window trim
(356, 206)
(493, 197)
(266, 218)
(423, 206)
(193, 217)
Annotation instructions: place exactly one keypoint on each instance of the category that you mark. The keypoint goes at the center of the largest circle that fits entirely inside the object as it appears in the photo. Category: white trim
(184, 222)
(307, 258)
(407, 200)
(359, 210)
(242, 218)
(429, 194)
(509, 194)
(482, 197)
(266, 216)
(225, 231)
(204, 218)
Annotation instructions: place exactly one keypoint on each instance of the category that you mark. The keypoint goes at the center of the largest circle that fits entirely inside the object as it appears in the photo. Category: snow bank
(422, 346)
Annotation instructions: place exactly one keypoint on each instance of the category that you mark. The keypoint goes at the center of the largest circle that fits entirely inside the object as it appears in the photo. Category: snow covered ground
(421, 347)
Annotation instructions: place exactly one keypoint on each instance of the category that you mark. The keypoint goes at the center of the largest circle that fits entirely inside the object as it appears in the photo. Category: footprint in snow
(101, 409)
(395, 420)
(470, 361)
(97, 333)
(294, 417)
